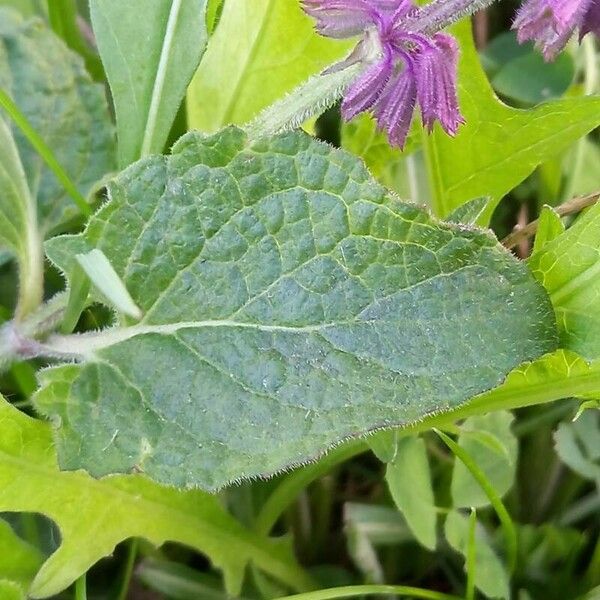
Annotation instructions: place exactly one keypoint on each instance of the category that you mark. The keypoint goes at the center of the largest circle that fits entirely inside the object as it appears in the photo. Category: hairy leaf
(150, 50)
(94, 516)
(568, 267)
(260, 51)
(289, 303)
(499, 146)
(49, 84)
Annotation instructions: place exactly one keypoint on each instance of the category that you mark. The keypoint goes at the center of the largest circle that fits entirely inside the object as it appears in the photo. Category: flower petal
(591, 19)
(365, 91)
(339, 18)
(549, 23)
(435, 73)
(396, 105)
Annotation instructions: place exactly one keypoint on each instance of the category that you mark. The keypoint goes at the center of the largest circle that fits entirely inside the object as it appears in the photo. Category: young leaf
(409, 480)
(18, 223)
(490, 575)
(150, 50)
(260, 51)
(290, 302)
(578, 444)
(52, 89)
(550, 226)
(489, 440)
(499, 146)
(568, 268)
(94, 516)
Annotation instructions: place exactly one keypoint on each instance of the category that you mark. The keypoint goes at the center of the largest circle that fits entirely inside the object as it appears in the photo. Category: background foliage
(482, 493)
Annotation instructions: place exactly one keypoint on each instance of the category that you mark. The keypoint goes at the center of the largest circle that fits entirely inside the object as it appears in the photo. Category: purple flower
(551, 23)
(404, 67)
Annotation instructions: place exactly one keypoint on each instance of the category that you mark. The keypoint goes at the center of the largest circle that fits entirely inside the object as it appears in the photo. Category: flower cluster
(551, 23)
(404, 66)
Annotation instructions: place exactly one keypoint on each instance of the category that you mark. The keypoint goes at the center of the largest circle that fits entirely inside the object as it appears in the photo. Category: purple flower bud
(404, 66)
(551, 23)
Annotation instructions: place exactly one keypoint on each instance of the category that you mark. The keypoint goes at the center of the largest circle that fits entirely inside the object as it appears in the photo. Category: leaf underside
(289, 303)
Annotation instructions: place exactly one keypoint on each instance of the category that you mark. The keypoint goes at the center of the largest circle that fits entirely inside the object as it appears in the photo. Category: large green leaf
(18, 221)
(93, 516)
(289, 302)
(49, 84)
(260, 51)
(499, 146)
(568, 266)
(150, 50)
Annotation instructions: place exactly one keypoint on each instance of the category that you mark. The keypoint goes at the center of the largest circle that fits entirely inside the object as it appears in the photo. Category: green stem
(308, 100)
(128, 570)
(510, 533)
(352, 591)
(44, 151)
(471, 556)
(80, 588)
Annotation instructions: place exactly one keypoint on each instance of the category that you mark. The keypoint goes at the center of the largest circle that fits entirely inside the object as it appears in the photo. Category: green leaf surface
(150, 50)
(409, 481)
(499, 146)
(490, 575)
(19, 561)
(550, 226)
(52, 89)
(469, 212)
(393, 168)
(94, 516)
(290, 301)
(260, 51)
(489, 440)
(10, 590)
(568, 267)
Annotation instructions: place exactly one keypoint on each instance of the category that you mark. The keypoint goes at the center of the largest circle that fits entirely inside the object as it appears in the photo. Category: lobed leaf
(499, 146)
(288, 303)
(94, 516)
